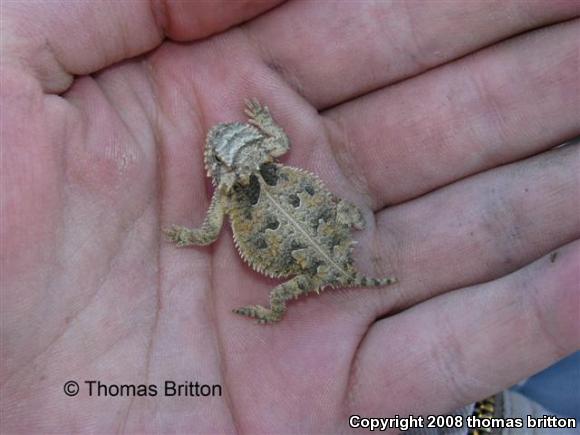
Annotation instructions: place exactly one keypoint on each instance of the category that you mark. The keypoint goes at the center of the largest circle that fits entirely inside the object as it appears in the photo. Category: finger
(472, 342)
(331, 52)
(476, 230)
(55, 41)
(499, 105)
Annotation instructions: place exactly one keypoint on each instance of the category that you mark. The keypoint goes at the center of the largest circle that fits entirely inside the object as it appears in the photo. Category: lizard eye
(220, 161)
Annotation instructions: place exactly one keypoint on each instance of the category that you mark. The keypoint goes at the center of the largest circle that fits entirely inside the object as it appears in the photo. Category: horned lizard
(285, 222)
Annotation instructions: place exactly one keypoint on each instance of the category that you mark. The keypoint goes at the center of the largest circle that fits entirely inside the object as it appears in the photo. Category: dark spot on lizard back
(294, 245)
(258, 241)
(251, 192)
(269, 173)
(309, 189)
(294, 200)
(271, 223)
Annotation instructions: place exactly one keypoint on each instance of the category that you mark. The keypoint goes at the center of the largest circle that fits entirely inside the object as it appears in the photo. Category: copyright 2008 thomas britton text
(458, 421)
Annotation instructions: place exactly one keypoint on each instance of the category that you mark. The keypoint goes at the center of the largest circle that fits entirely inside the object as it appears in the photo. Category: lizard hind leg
(349, 214)
(279, 295)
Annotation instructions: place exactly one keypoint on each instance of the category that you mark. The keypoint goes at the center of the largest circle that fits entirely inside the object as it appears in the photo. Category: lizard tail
(365, 281)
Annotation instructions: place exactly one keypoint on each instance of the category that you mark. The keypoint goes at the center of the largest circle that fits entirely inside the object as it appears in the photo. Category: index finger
(332, 52)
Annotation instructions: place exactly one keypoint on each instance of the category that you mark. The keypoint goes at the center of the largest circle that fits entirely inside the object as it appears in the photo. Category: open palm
(398, 108)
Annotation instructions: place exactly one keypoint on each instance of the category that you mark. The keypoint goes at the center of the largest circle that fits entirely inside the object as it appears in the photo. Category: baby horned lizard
(285, 223)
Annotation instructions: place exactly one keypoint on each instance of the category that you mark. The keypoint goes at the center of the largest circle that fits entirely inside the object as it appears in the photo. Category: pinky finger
(470, 343)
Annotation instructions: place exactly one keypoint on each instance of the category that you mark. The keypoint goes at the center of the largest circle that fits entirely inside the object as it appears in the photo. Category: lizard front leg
(276, 141)
(209, 230)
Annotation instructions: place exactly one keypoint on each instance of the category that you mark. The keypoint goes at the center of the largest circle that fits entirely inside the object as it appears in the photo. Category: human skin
(434, 117)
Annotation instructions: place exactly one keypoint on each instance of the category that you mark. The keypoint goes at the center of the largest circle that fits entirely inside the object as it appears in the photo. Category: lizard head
(233, 152)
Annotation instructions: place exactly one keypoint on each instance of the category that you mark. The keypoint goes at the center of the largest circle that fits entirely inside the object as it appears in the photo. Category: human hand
(391, 105)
